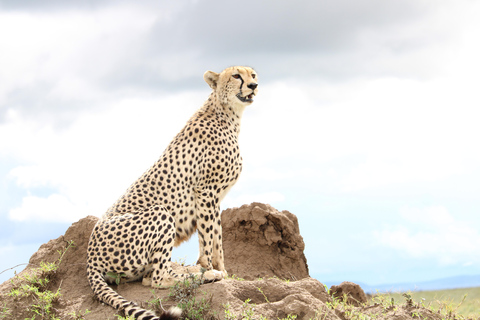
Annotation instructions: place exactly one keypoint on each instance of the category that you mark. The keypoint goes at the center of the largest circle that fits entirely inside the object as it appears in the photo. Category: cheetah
(179, 195)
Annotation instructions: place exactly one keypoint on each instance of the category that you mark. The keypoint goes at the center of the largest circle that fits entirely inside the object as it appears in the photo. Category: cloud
(412, 131)
(289, 27)
(334, 40)
(362, 135)
(54, 208)
(60, 61)
(433, 233)
(334, 138)
(66, 58)
(88, 165)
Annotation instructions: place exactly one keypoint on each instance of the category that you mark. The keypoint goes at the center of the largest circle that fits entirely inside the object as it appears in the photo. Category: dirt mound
(350, 291)
(271, 298)
(260, 241)
(277, 234)
(70, 277)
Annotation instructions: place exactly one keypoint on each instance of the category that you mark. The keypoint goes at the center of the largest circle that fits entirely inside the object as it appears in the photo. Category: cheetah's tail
(109, 296)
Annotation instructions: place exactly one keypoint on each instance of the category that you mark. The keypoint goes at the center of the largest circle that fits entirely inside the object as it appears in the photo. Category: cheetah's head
(233, 86)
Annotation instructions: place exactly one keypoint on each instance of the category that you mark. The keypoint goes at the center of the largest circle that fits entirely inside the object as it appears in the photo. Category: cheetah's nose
(252, 86)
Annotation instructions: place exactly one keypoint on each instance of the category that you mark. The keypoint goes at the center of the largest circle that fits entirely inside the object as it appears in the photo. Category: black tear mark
(242, 83)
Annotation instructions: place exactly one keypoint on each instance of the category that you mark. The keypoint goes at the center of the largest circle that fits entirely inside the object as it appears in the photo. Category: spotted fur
(178, 195)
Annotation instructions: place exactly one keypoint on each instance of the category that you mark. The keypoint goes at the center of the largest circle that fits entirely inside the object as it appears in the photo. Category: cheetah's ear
(211, 78)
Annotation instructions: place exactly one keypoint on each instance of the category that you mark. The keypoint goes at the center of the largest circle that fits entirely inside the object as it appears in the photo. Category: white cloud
(58, 61)
(364, 134)
(54, 208)
(391, 145)
(433, 216)
(92, 162)
(391, 131)
(433, 233)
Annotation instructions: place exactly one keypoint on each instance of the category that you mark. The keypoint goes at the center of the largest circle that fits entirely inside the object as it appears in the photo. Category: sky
(365, 125)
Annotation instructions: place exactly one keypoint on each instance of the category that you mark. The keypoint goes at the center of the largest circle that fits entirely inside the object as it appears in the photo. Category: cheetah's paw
(213, 275)
(147, 281)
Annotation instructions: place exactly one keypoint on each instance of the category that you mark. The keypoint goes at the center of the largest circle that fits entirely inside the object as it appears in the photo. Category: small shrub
(248, 310)
(44, 304)
(184, 292)
(35, 285)
(5, 312)
(228, 314)
(79, 315)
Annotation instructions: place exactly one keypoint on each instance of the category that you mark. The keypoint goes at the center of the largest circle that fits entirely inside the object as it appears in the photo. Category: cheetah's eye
(236, 76)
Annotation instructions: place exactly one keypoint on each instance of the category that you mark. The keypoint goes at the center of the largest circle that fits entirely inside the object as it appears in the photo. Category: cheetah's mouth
(248, 98)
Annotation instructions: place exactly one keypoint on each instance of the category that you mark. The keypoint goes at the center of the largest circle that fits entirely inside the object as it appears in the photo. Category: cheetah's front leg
(210, 241)
(217, 249)
(158, 247)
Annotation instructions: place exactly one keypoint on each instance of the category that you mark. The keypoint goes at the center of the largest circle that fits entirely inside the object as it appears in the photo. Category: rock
(270, 238)
(354, 293)
(259, 241)
(271, 298)
(70, 277)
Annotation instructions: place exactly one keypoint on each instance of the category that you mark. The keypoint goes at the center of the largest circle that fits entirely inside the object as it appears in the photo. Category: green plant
(347, 311)
(321, 314)
(116, 276)
(184, 292)
(235, 277)
(387, 302)
(5, 312)
(44, 303)
(125, 318)
(70, 244)
(79, 315)
(247, 310)
(155, 303)
(35, 284)
(228, 314)
(448, 304)
(261, 291)
(194, 309)
(181, 261)
(284, 279)
(448, 308)
(408, 298)
(333, 304)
